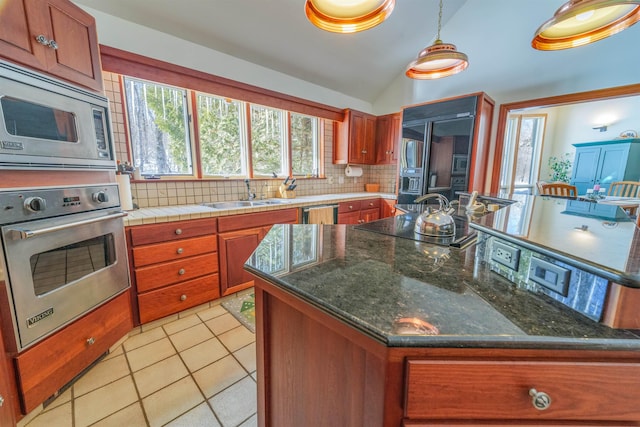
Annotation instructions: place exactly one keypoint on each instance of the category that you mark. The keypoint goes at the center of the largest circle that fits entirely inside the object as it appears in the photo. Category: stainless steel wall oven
(63, 254)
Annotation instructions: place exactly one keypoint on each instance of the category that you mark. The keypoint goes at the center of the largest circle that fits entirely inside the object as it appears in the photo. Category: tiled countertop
(185, 212)
(378, 283)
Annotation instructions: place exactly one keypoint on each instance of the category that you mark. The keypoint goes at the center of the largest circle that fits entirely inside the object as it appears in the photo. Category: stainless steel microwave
(47, 123)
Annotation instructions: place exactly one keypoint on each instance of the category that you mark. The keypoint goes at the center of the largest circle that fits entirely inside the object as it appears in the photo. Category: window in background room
(304, 145)
(521, 163)
(222, 142)
(268, 145)
(158, 128)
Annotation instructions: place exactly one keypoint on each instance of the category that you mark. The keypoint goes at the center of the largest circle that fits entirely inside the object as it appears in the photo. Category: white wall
(503, 64)
(125, 35)
(572, 124)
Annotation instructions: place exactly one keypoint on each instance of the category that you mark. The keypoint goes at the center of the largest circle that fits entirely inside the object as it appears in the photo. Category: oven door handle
(23, 233)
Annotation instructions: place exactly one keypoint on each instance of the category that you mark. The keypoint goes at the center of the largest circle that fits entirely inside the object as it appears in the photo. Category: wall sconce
(602, 128)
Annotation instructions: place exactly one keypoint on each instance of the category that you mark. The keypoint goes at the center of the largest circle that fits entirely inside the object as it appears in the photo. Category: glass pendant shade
(580, 22)
(437, 61)
(348, 16)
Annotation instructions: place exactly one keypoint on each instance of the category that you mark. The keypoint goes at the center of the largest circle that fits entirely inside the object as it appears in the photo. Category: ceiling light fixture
(348, 16)
(580, 22)
(438, 60)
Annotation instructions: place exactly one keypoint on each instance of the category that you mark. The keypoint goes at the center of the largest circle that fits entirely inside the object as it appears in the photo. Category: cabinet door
(388, 208)
(16, 42)
(349, 218)
(234, 249)
(611, 164)
(585, 168)
(361, 137)
(368, 215)
(76, 57)
(387, 138)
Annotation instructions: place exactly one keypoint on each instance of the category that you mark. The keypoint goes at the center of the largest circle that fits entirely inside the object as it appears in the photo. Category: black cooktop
(403, 225)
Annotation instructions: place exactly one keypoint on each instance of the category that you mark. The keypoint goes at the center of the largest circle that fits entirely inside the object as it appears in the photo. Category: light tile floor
(198, 370)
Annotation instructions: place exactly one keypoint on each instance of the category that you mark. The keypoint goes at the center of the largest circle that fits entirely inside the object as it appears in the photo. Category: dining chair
(624, 189)
(559, 189)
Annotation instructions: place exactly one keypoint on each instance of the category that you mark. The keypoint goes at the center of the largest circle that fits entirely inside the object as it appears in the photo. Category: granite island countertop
(405, 293)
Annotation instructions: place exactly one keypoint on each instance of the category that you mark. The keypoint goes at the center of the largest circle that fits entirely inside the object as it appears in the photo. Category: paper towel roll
(124, 190)
(353, 171)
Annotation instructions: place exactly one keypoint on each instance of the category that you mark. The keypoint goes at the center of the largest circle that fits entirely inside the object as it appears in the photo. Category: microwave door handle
(23, 233)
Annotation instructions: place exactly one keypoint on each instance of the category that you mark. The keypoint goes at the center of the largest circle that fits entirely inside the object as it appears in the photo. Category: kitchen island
(360, 328)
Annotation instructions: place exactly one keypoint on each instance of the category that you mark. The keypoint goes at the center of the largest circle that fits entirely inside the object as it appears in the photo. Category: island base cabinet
(485, 390)
(310, 375)
(315, 370)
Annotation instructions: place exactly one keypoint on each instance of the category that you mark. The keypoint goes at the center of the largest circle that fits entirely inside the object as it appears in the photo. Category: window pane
(267, 141)
(157, 117)
(220, 137)
(304, 145)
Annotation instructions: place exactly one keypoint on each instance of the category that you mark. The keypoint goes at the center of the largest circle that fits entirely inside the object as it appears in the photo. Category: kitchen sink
(243, 203)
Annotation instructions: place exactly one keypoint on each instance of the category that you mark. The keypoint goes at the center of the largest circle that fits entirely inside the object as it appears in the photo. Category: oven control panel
(29, 204)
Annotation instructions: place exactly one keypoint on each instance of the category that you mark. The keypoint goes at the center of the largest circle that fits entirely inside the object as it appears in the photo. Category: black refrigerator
(436, 149)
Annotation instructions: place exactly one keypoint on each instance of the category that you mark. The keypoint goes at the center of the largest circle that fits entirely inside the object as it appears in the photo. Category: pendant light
(580, 22)
(348, 16)
(438, 60)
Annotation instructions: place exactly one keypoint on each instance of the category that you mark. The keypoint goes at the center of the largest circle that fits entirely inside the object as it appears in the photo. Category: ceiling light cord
(439, 21)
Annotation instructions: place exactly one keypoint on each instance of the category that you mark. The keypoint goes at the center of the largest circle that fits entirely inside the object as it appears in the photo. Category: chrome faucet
(250, 195)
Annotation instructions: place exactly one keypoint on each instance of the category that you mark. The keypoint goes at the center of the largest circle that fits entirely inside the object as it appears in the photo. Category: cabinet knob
(1, 401)
(181, 271)
(370, 203)
(179, 251)
(539, 399)
(53, 44)
(91, 341)
(178, 231)
(350, 207)
(183, 297)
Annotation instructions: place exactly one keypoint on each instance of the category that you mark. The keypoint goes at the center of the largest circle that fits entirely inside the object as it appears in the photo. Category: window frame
(246, 143)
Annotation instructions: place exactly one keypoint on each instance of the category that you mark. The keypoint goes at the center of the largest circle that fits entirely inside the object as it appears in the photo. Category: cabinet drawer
(155, 233)
(159, 275)
(169, 251)
(172, 299)
(500, 390)
(344, 207)
(46, 367)
(258, 219)
(370, 204)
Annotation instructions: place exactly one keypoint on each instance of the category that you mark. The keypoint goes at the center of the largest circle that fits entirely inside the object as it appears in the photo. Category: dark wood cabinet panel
(162, 302)
(388, 131)
(173, 266)
(355, 142)
(68, 46)
(359, 211)
(388, 208)
(235, 248)
(46, 367)
(8, 392)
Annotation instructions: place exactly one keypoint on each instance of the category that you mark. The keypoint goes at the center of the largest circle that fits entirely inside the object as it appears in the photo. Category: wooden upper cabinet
(388, 131)
(356, 139)
(52, 36)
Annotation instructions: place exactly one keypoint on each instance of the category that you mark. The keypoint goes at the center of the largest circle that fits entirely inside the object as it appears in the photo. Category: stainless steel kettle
(435, 222)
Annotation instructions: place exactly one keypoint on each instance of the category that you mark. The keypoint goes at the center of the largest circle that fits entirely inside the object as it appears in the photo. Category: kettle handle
(443, 201)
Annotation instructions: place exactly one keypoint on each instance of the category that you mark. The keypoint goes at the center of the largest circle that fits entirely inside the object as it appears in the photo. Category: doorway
(524, 138)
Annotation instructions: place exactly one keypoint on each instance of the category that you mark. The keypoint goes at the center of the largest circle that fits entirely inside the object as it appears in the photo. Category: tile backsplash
(168, 193)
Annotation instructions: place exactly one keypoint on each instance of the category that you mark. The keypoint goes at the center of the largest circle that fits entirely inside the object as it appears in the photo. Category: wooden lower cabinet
(47, 366)
(235, 248)
(174, 266)
(239, 236)
(314, 370)
(8, 398)
(388, 208)
(358, 211)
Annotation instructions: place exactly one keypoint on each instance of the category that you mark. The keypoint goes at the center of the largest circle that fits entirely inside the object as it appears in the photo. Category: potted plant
(560, 168)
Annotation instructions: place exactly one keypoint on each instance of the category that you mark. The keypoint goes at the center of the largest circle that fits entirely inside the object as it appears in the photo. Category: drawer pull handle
(183, 297)
(179, 251)
(91, 341)
(178, 231)
(539, 399)
(181, 271)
